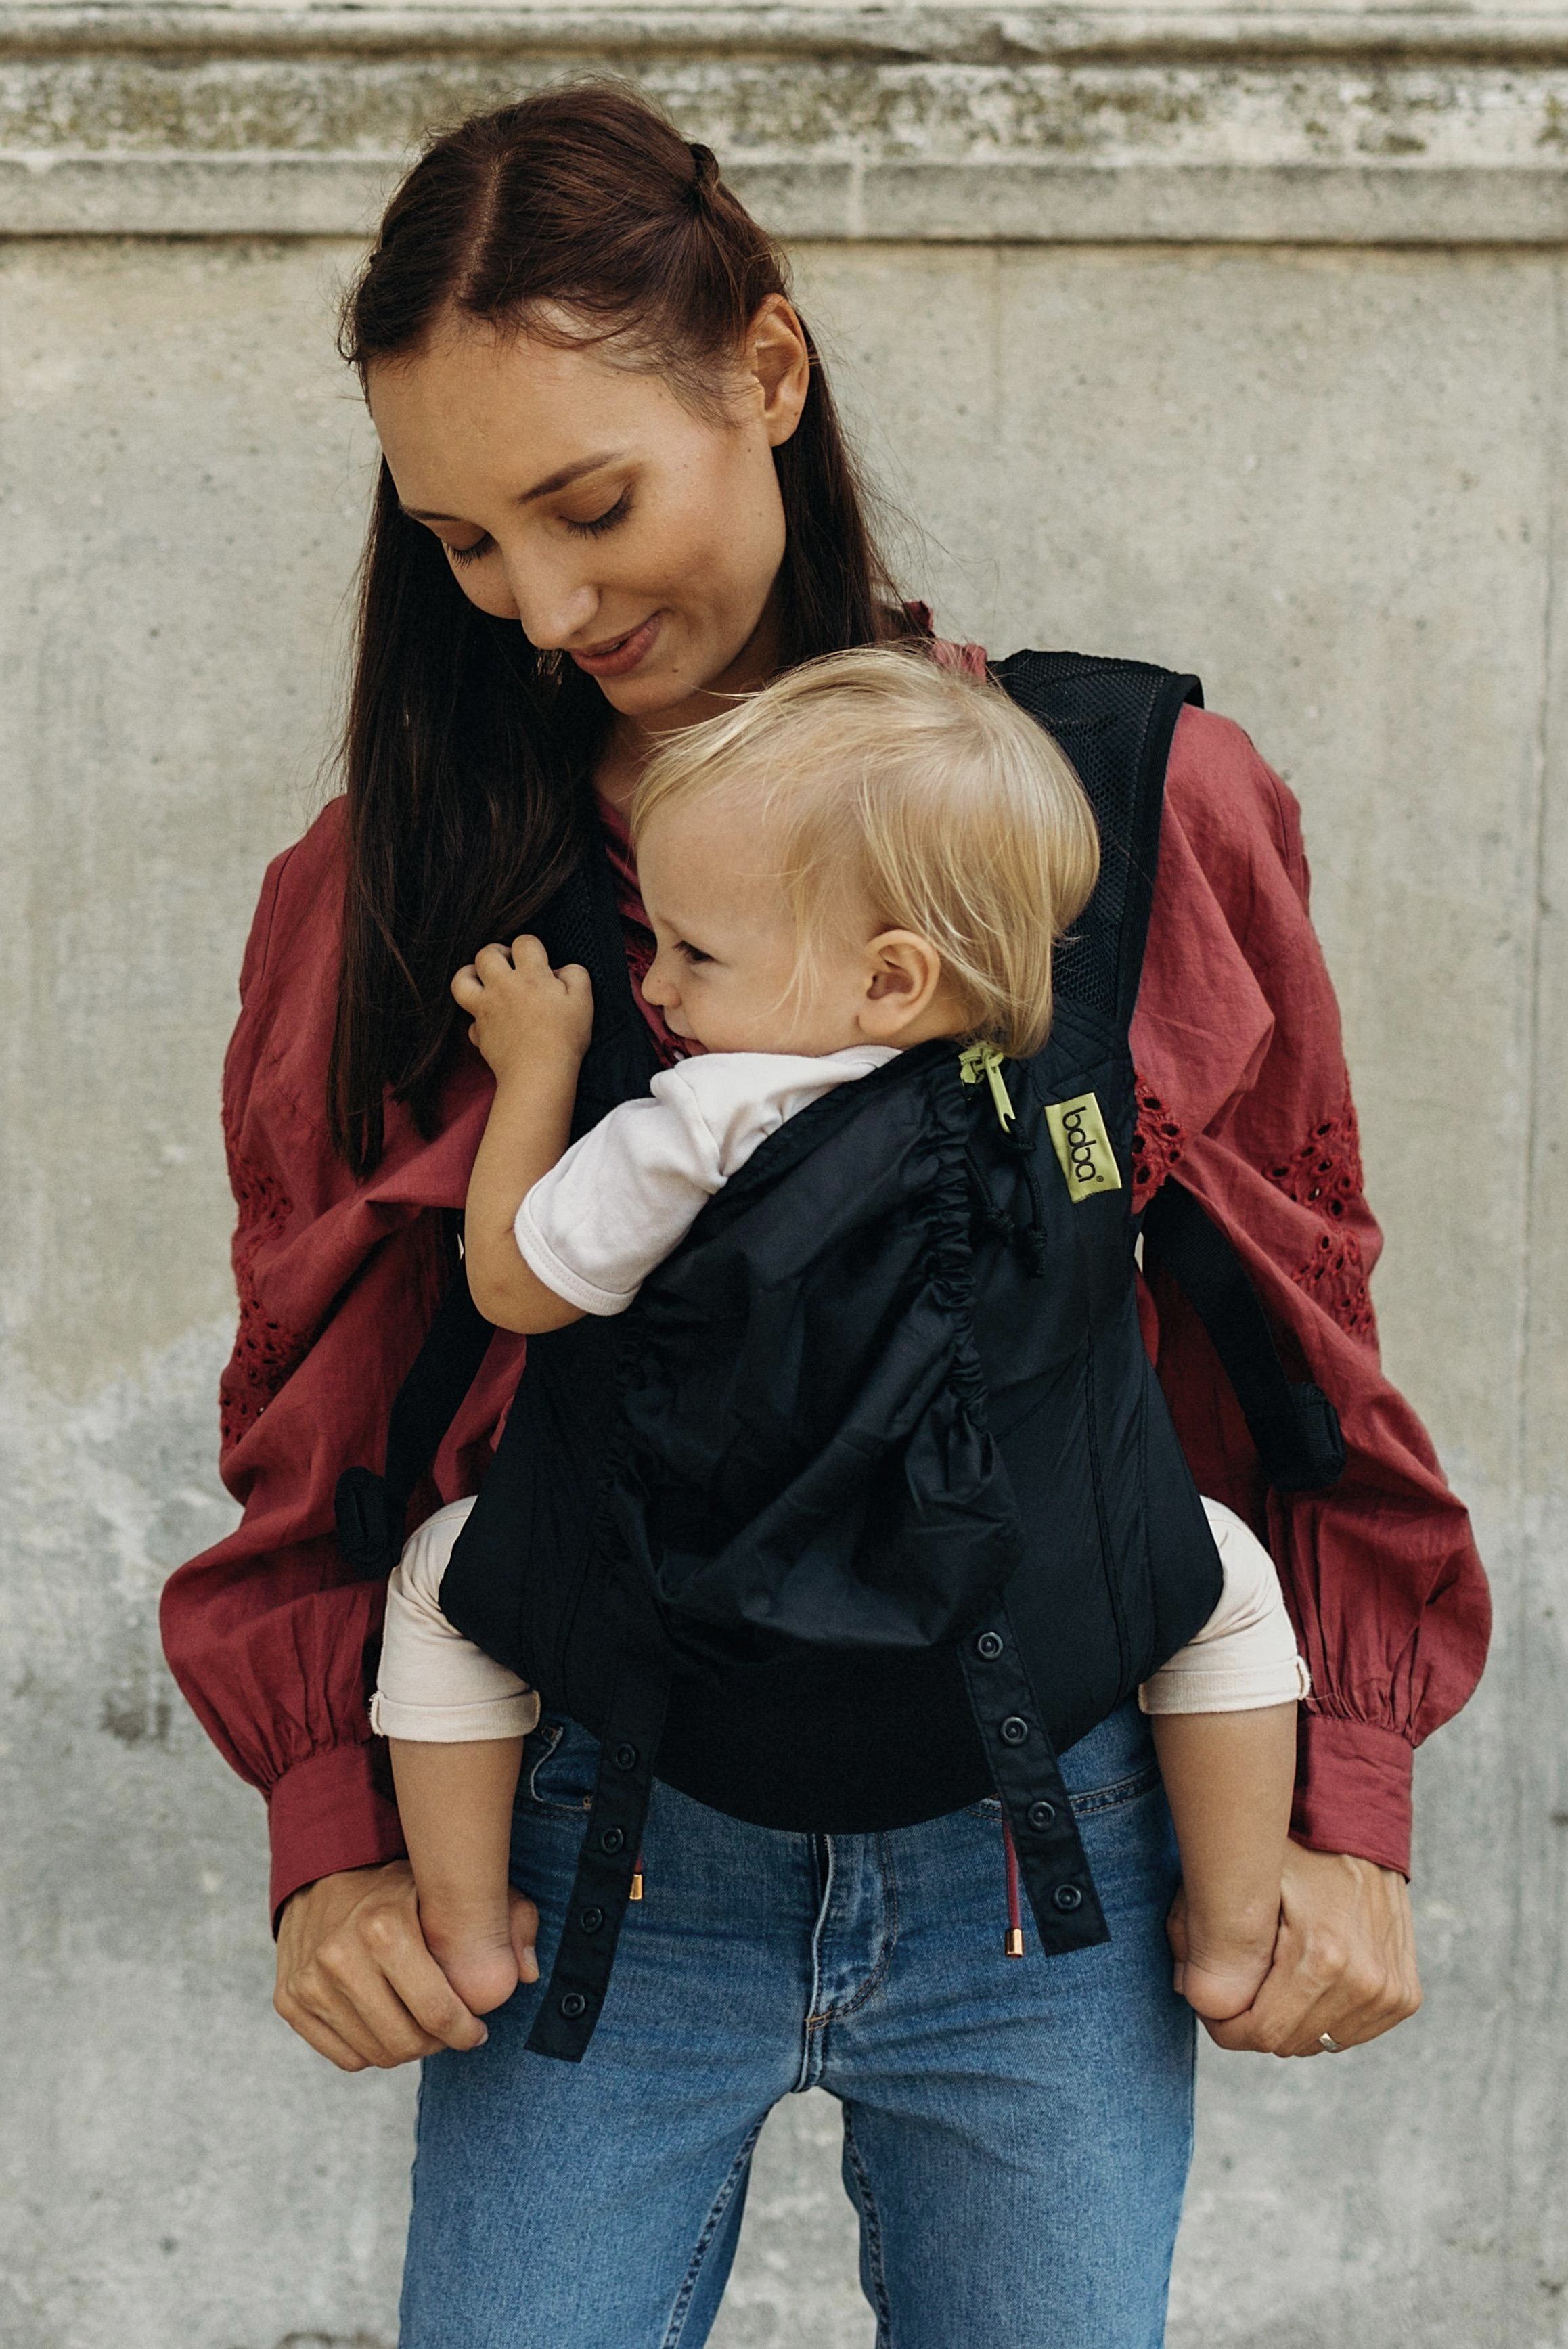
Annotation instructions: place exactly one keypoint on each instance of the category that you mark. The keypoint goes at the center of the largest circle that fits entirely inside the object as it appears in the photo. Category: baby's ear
(904, 972)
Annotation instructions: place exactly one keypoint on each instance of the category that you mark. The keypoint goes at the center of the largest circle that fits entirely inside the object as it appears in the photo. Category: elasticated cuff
(329, 1813)
(1353, 1790)
(455, 1724)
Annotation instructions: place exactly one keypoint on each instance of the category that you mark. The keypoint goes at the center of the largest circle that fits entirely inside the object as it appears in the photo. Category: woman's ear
(902, 977)
(776, 354)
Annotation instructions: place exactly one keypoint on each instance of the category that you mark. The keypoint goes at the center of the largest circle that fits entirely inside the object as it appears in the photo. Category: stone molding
(903, 124)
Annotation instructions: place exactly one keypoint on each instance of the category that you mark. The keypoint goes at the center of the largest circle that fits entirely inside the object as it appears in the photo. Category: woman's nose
(554, 613)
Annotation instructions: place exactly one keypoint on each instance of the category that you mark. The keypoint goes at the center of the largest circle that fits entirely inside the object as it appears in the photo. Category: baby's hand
(523, 1011)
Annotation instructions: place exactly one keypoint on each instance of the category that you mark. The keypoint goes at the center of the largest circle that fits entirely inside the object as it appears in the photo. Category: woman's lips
(624, 654)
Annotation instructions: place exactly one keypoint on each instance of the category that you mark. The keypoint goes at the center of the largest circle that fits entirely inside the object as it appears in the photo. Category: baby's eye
(691, 954)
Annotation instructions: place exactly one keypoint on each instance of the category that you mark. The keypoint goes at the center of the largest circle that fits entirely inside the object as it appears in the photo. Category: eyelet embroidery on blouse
(1325, 1174)
(1158, 1143)
(265, 1351)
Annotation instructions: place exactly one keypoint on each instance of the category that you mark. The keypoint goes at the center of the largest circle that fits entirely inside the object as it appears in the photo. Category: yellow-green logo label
(1083, 1146)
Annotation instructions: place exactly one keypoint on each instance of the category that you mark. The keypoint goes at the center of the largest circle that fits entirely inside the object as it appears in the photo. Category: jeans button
(1014, 1729)
(1042, 1816)
(989, 1645)
(612, 1839)
(1066, 1896)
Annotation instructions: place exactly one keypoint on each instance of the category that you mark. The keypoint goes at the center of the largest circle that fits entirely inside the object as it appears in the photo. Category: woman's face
(586, 502)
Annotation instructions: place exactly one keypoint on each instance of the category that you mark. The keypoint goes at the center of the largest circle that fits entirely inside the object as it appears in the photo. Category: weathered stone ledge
(957, 34)
(917, 124)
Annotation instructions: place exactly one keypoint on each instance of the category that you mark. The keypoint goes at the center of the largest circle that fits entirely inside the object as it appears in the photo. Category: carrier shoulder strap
(581, 924)
(1116, 719)
(1294, 1425)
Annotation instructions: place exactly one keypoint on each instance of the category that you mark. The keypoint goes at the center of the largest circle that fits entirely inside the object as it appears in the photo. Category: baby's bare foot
(476, 1955)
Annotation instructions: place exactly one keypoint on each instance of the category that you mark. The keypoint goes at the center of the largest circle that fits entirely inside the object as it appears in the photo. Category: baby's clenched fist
(521, 1011)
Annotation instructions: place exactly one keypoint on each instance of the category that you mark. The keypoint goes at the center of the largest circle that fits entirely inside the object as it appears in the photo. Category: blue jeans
(1016, 2133)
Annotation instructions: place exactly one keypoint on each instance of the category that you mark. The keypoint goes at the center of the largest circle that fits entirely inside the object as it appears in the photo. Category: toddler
(869, 855)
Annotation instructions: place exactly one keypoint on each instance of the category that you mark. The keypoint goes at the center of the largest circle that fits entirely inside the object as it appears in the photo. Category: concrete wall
(1232, 342)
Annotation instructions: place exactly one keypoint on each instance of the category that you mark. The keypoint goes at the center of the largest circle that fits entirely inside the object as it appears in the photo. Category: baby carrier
(870, 1504)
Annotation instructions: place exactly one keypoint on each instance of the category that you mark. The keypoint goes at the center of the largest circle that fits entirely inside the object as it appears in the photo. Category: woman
(615, 490)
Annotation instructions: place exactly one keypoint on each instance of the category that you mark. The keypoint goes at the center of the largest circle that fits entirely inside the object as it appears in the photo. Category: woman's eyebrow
(561, 478)
(566, 475)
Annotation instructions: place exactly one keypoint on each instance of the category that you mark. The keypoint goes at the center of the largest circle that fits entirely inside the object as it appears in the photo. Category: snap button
(1042, 1816)
(989, 1645)
(625, 1757)
(590, 1920)
(1068, 1897)
(573, 2005)
(1014, 1729)
(612, 1839)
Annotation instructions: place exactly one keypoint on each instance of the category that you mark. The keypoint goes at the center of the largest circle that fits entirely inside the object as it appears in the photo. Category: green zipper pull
(977, 1061)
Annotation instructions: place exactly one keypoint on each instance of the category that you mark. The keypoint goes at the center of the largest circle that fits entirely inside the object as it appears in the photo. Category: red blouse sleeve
(1244, 1092)
(268, 1632)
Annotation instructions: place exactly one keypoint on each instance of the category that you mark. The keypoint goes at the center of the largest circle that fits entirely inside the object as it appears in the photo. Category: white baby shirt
(627, 1195)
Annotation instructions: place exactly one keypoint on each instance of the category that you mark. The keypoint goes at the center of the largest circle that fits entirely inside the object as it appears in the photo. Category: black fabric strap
(1115, 720)
(580, 924)
(1052, 1861)
(427, 1400)
(574, 1993)
(1294, 1425)
(371, 1509)
(1171, 697)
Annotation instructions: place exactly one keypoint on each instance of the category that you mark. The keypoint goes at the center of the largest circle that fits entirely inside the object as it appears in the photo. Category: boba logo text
(1083, 1146)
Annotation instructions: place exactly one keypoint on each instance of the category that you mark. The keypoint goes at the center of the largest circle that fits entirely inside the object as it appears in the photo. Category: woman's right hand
(357, 1981)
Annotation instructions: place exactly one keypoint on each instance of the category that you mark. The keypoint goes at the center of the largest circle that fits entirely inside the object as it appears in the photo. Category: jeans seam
(1120, 1792)
(879, 1973)
(871, 2222)
(1114, 1796)
(552, 1807)
(720, 2203)
(810, 2036)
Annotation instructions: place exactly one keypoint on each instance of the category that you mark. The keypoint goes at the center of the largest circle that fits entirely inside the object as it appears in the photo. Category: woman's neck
(626, 751)
(630, 744)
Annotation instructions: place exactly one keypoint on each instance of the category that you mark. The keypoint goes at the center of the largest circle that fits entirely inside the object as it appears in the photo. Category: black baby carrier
(870, 1504)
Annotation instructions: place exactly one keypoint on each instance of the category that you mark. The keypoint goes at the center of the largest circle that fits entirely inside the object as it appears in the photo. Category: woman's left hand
(1344, 1963)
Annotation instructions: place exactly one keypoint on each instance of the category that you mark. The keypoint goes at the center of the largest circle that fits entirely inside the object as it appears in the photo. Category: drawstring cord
(636, 1891)
(982, 1062)
(1014, 1945)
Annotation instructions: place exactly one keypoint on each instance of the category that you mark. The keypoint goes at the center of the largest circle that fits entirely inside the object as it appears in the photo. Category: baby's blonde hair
(928, 792)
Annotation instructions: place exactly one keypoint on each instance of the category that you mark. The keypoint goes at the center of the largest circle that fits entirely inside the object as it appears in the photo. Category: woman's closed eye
(594, 527)
(599, 523)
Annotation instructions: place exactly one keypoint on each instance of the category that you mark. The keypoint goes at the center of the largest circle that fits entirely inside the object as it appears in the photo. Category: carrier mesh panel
(1113, 718)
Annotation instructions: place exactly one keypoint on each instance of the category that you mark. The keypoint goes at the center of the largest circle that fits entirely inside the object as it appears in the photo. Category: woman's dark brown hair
(466, 754)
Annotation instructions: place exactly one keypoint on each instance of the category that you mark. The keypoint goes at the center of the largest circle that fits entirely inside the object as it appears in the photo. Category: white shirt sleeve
(625, 1196)
(1246, 1657)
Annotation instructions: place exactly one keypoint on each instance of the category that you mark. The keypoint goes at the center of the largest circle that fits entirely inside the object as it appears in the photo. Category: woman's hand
(357, 1981)
(1344, 1963)
(523, 1011)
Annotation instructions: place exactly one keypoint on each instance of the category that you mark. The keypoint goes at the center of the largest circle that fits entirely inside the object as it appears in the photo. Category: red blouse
(1242, 1085)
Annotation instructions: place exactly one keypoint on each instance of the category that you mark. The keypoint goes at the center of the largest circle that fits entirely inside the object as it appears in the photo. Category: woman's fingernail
(483, 2039)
